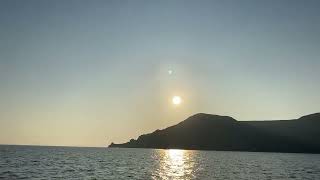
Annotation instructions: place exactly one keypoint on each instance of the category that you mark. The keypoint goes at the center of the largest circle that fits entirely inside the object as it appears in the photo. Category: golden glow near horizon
(176, 100)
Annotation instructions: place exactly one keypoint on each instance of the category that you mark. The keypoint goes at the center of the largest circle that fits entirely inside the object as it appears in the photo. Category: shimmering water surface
(31, 162)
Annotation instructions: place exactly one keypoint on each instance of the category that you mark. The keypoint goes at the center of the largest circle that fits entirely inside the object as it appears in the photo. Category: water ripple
(31, 162)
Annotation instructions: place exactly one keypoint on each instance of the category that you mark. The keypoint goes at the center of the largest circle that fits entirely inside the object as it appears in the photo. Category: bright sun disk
(176, 100)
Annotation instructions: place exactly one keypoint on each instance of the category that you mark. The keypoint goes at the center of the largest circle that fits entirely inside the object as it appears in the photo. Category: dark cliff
(212, 132)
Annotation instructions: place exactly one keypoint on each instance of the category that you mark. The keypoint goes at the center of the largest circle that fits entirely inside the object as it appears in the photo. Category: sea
(40, 162)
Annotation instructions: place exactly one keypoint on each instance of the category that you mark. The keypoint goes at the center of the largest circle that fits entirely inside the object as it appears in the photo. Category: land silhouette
(223, 133)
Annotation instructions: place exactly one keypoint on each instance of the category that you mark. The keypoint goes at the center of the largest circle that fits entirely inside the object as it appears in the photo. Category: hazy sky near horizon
(88, 73)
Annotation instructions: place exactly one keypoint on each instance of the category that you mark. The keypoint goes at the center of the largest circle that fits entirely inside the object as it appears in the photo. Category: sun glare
(176, 164)
(176, 100)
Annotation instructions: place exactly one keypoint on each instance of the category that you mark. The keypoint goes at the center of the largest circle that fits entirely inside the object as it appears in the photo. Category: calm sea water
(31, 162)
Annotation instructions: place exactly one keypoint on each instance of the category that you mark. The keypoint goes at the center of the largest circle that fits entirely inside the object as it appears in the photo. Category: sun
(176, 100)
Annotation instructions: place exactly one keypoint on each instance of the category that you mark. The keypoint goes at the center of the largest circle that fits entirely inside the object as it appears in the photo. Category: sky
(88, 73)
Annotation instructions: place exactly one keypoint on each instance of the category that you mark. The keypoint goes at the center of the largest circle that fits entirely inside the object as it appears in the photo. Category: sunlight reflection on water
(175, 164)
(33, 162)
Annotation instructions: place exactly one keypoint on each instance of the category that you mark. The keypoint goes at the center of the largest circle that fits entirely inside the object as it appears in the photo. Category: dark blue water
(31, 162)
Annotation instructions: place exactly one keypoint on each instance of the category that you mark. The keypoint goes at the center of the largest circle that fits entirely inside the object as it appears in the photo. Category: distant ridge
(315, 116)
(213, 132)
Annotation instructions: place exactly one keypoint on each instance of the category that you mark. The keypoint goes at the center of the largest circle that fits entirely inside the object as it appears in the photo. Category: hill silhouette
(213, 132)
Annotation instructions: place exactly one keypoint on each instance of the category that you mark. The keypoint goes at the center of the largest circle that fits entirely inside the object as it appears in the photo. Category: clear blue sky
(87, 73)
